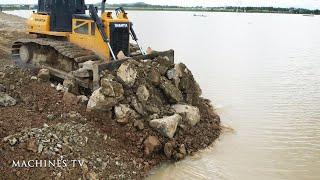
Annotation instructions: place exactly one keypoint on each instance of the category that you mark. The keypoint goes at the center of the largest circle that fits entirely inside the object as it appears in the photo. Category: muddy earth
(146, 113)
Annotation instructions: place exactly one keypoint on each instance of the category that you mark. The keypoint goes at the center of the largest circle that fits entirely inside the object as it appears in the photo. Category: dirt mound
(145, 113)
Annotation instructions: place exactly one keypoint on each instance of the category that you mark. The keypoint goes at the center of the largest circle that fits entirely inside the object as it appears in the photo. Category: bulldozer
(76, 45)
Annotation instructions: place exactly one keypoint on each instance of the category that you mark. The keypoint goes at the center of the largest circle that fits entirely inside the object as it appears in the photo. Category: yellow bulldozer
(74, 44)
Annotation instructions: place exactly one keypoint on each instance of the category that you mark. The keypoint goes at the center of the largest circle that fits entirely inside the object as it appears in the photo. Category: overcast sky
(311, 4)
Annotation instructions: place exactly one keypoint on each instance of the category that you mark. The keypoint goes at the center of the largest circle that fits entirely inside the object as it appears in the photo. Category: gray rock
(121, 55)
(171, 73)
(44, 75)
(107, 88)
(127, 73)
(167, 125)
(60, 87)
(13, 141)
(170, 90)
(6, 100)
(111, 88)
(99, 101)
(191, 114)
(143, 93)
(83, 99)
(137, 106)
(40, 148)
(123, 113)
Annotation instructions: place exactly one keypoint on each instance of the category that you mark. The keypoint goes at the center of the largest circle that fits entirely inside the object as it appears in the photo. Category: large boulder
(191, 114)
(6, 100)
(167, 125)
(98, 101)
(127, 73)
(170, 90)
(151, 144)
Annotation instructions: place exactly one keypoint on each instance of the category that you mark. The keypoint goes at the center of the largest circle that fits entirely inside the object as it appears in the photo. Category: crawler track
(60, 57)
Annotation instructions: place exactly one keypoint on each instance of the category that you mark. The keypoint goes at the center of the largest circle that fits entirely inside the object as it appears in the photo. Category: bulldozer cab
(60, 12)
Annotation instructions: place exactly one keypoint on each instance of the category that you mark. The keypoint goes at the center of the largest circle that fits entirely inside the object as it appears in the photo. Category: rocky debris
(111, 88)
(2, 88)
(99, 101)
(83, 99)
(170, 90)
(143, 93)
(167, 126)
(52, 140)
(124, 113)
(189, 113)
(151, 145)
(60, 87)
(171, 74)
(127, 72)
(6, 100)
(44, 75)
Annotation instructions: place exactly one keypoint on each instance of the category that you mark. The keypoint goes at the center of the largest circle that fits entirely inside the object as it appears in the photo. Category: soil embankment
(155, 117)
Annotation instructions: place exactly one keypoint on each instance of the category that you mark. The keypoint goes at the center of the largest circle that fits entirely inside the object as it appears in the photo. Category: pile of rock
(154, 93)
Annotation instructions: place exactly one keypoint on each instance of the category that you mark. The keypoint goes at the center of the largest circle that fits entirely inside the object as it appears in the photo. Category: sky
(310, 4)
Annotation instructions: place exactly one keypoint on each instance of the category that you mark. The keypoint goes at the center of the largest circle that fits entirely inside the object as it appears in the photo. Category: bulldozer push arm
(94, 14)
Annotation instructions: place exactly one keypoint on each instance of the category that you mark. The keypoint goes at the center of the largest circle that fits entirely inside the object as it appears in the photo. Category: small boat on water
(199, 15)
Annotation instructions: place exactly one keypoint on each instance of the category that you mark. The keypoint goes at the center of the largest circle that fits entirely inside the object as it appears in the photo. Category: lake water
(262, 73)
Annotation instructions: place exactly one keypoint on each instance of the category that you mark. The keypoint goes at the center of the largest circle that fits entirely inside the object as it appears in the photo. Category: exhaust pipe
(103, 6)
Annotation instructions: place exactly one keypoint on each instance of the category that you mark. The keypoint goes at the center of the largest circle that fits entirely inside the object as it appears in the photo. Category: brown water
(262, 73)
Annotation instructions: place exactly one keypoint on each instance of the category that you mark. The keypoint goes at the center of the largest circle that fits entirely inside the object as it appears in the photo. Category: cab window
(82, 29)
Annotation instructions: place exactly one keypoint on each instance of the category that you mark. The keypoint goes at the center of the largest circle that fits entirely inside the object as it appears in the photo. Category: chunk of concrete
(170, 90)
(6, 100)
(127, 73)
(191, 114)
(98, 101)
(143, 93)
(167, 125)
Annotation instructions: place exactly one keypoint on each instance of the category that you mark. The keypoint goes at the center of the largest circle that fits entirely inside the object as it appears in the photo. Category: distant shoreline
(198, 9)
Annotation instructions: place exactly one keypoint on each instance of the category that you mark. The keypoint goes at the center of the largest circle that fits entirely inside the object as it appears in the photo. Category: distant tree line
(144, 6)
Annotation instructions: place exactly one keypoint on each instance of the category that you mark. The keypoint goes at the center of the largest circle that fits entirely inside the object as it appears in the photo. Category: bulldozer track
(66, 56)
